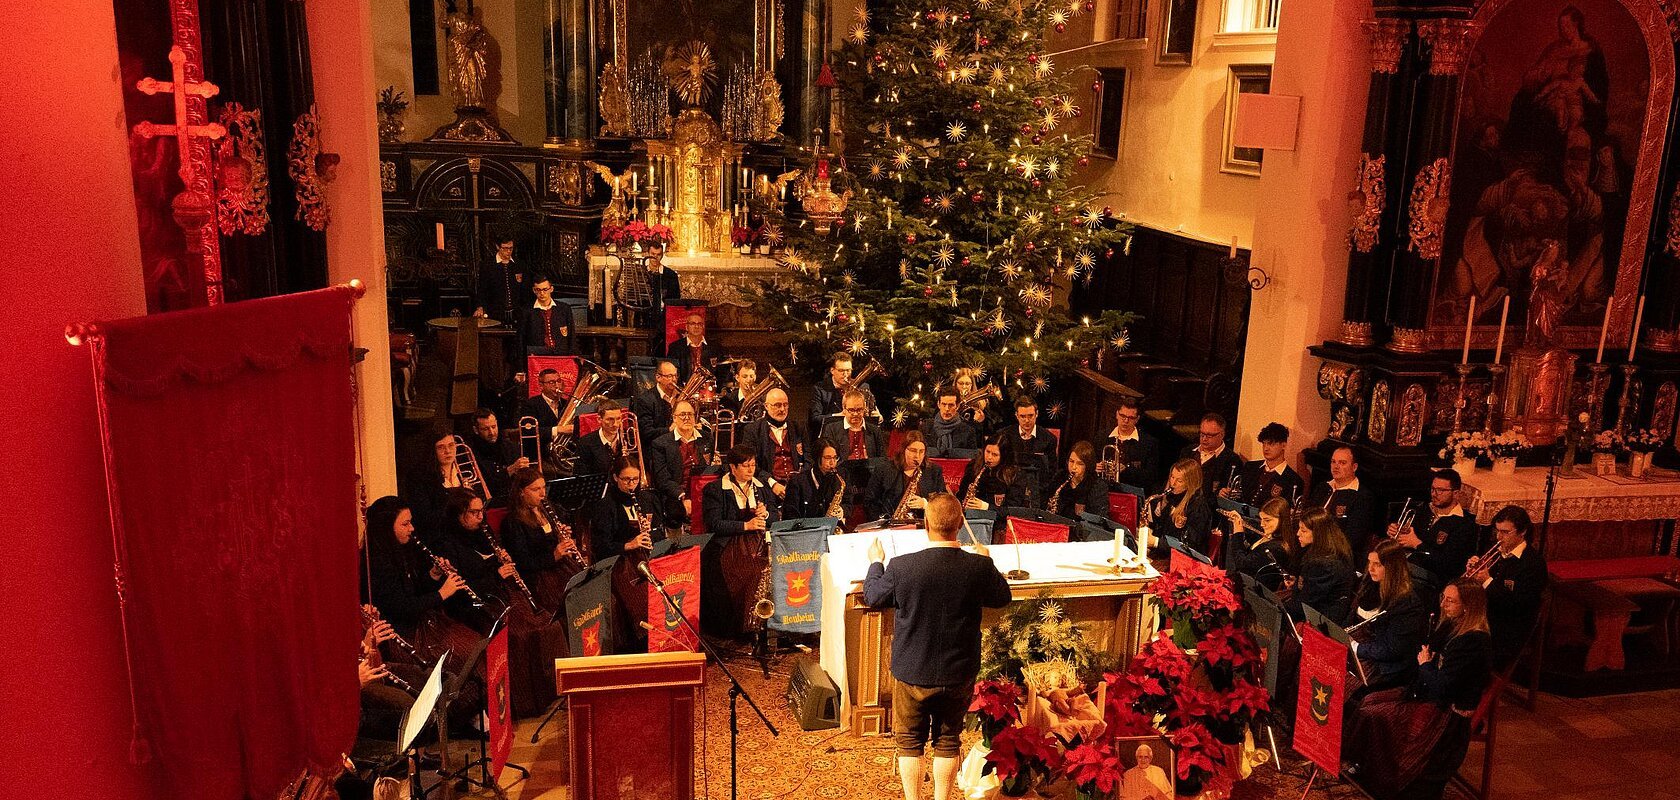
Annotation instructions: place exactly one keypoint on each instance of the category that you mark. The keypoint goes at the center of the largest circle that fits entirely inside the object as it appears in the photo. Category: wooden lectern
(630, 724)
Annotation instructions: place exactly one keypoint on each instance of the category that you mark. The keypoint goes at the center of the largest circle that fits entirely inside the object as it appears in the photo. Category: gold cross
(183, 130)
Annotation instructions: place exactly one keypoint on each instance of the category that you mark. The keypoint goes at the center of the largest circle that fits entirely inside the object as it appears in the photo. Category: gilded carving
(387, 176)
(310, 170)
(1341, 383)
(768, 122)
(565, 183)
(1388, 42)
(1376, 428)
(615, 101)
(1449, 44)
(1663, 410)
(1429, 208)
(1357, 334)
(1661, 341)
(1671, 240)
(1368, 201)
(1409, 340)
(1343, 421)
(1414, 410)
(241, 173)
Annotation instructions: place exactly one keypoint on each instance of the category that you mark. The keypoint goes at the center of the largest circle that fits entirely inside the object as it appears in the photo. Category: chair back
(566, 365)
(953, 469)
(696, 496)
(494, 517)
(1123, 508)
(895, 442)
(588, 423)
(1028, 531)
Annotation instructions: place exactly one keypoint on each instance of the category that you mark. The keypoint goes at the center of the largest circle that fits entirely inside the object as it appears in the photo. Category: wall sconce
(1240, 267)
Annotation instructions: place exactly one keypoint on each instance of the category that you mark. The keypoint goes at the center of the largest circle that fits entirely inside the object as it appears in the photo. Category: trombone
(630, 443)
(722, 418)
(530, 441)
(466, 469)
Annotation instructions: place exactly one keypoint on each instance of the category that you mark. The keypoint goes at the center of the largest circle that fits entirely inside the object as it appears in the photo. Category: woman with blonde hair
(1183, 510)
(1272, 556)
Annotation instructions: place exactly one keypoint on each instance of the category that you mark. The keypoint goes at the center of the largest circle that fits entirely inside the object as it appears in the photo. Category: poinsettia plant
(637, 232)
(1020, 755)
(742, 236)
(1094, 768)
(1197, 600)
(996, 705)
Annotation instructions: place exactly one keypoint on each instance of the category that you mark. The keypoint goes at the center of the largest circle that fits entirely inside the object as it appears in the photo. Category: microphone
(648, 573)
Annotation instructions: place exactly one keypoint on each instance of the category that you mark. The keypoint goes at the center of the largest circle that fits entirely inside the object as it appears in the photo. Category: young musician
(1026, 446)
(859, 440)
(547, 325)
(428, 483)
(546, 406)
(1219, 464)
(1354, 509)
(979, 412)
(738, 508)
(598, 451)
(542, 545)
(1272, 556)
(1183, 510)
(887, 484)
(1079, 490)
(653, 407)
(828, 396)
(1444, 542)
(1326, 573)
(462, 539)
(665, 281)
(1515, 578)
(614, 519)
(679, 454)
(985, 469)
(1409, 741)
(1393, 621)
(1270, 476)
(775, 438)
(401, 584)
(1140, 454)
(692, 349)
(947, 432)
(746, 380)
(812, 493)
(502, 289)
(936, 595)
(498, 456)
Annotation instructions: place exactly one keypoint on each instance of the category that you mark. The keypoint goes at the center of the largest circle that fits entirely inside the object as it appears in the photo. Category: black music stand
(577, 491)
(451, 691)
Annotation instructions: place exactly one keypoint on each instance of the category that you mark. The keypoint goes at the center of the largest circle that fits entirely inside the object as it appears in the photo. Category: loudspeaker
(814, 698)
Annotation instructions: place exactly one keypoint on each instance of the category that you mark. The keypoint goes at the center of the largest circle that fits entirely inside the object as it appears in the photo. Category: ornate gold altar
(693, 164)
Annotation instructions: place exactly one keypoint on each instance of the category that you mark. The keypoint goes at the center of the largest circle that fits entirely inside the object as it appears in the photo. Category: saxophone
(973, 492)
(902, 511)
(507, 560)
(1053, 503)
(834, 509)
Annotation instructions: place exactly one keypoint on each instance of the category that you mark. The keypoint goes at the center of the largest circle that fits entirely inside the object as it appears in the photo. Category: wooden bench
(1606, 611)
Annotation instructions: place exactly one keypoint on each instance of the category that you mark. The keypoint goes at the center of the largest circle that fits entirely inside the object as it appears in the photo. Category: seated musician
(978, 411)
(678, 454)
(1079, 490)
(1515, 578)
(541, 543)
(615, 519)
(1270, 476)
(653, 407)
(385, 702)
(738, 508)
(598, 451)
(898, 489)
(427, 483)
(547, 325)
(1270, 558)
(1354, 508)
(1183, 511)
(546, 406)
(1409, 741)
(1140, 453)
(401, 582)
(1326, 577)
(1219, 464)
(859, 440)
(1026, 446)
(1393, 620)
(947, 432)
(463, 540)
(734, 395)
(828, 399)
(1444, 543)
(498, 455)
(693, 349)
(985, 484)
(775, 438)
(816, 492)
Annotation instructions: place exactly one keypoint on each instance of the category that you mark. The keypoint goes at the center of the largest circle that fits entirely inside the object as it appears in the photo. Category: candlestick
(1460, 405)
(1499, 348)
(1469, 324)
(1603, 332)
(440, 236)
(1633, 338)
(1624, 408)
(1598, 386)
(1497, 372)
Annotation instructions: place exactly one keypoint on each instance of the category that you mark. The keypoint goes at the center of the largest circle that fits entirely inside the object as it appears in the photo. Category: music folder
(1335, 631)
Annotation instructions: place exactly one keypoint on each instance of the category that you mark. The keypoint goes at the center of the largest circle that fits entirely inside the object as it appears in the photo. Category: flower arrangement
(1197, 601)
(1094, 769)
(637, 232)
(1608, 441)
(1021, 755)
(1645, 440)
(741, 236)
(1035, 632)
(997, 705)
(1465, 444)
(1509, 444)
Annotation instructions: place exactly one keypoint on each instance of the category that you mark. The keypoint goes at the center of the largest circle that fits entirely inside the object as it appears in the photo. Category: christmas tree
(963, 231)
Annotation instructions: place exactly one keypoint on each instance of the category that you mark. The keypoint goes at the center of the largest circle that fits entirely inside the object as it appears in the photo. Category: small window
(1131, 19)
(1111, 101)
(1178, 32)
(1250, 16)
(1244, 79)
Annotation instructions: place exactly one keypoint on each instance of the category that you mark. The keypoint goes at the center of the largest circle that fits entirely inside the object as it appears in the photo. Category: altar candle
(1118, 535)
(1143, 543)
(1603, 333)
(1469, 322)
(1638, 319)
(1499, 348)
(634, 186)
(1233, 254)
(440, 236)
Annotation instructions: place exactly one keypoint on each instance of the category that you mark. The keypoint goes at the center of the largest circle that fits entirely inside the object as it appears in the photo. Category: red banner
(499, 708)
(1033, 532)
(680, 572)
(1319, 699)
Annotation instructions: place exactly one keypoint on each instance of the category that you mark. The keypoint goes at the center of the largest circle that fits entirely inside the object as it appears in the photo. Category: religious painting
(1561, 122)
(1110, 116)
(1146, 764)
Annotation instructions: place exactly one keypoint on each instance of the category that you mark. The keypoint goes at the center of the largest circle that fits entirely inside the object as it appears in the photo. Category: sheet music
(421, 711)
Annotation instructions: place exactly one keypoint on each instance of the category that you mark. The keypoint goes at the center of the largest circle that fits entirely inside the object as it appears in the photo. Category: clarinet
(563, 532)
(371, 615)
(390, 678)
(448, 570)
(507, 560)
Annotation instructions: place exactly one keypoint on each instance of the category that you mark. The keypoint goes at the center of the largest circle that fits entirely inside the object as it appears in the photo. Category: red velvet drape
(229, 445)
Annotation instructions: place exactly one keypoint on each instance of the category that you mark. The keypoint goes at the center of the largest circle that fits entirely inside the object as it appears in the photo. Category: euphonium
(902, 510)
(690, 391)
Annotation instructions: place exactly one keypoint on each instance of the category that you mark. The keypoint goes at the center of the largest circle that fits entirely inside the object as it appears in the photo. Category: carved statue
(468, 58)
(1546, 298)
(615, 101)
(616, 211)
(770, 111)
(691, 71)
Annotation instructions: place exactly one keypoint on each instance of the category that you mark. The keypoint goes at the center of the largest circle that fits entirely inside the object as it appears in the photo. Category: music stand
(456, 683)
(577, 491)
(1335, 631)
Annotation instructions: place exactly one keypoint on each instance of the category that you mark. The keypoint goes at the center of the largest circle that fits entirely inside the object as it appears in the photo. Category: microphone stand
(736, 690)
(1551, 488)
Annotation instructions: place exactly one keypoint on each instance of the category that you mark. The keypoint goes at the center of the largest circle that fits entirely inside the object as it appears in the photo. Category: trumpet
(466, 469)
(1407, 515)
(507, 560)
(448, 569)
(370, 615)
(1482, 563)
(1109, 465)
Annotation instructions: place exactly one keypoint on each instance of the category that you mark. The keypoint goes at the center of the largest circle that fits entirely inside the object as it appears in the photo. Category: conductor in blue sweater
(936, 596)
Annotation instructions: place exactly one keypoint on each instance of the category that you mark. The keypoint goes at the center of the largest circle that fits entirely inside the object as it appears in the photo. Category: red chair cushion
(534, 365)
(588, 423)
(696, 495)
(895, 442)
(953, 468)
(676, 316)
(1028, 531)
(1123, 508)
(494, 516)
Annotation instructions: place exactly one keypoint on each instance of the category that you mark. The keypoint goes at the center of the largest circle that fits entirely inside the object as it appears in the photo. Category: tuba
(752, 404)
(561, 448)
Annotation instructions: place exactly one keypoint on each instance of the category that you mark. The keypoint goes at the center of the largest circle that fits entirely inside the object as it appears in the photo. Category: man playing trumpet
(1514, 575)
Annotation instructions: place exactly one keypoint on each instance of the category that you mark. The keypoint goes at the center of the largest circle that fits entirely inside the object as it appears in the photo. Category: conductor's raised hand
(877, 552)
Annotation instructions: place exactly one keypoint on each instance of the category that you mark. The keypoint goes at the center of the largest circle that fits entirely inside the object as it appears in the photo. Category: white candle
(1118, 535)
(1233, 254)
(440, 236)
(633, 184)
(1143, 544)
(1469, 322)
(1504, 311)
(1603, 333)
(1638, 319)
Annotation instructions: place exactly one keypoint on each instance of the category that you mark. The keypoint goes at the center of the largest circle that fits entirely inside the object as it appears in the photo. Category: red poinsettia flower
(1247, 698)
(1164, 658)
(1197, 750)
(1019, 749)
(997, 701)
(1092, 767)
(1229, 645)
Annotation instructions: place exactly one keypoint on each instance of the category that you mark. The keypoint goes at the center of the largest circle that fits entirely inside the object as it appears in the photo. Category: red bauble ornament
(1107, 211)
(1089, 5)
(1032, 58)
(962, 163)
(976, 106)
(977, 197)
(927, 366)
(1038, 139)
(1031, 247)
(1077, 111)
(1037, 184)
(926, 201)
(940, 63)
(1085, 362)
(1029, 311)
(983, 41)
(1109, 253)
(1026, 127)
(1056, 209)
(965, 261)
(842, 318)
(927, 291)
(1060, 27)
(1096, 85)
(1084, 162)
(909, 238)
(1038, 102)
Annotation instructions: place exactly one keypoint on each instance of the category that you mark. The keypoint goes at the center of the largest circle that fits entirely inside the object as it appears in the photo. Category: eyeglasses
(683, 415)
(541, 289)
(1127, 417)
